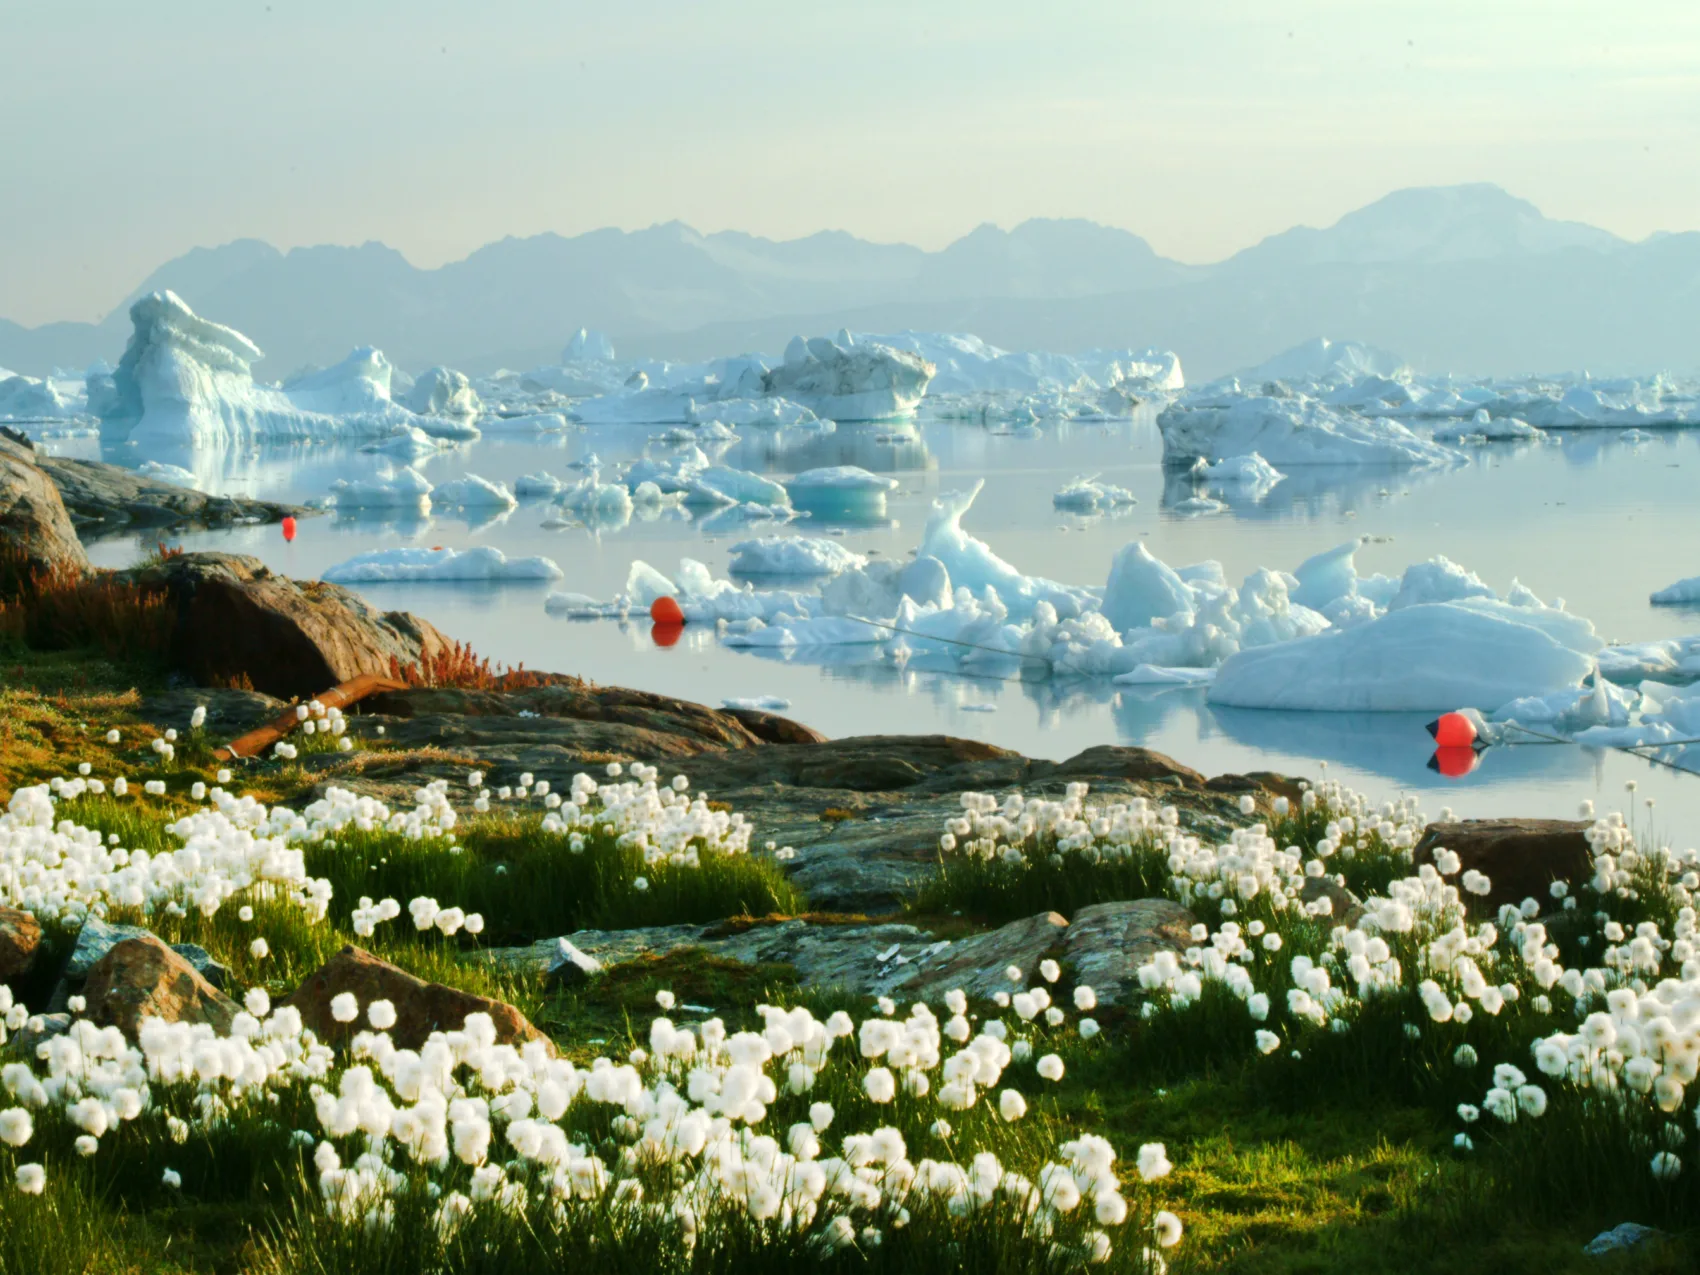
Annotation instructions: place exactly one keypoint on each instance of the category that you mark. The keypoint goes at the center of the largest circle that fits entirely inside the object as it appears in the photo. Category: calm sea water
(1590, 518)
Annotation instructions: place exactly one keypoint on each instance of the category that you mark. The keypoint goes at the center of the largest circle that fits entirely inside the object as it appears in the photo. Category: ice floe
(1682, 593)
(1086, 495)
(1289, 428)
(792, 556)
(413, 564)
(473, 492)
(402, 489)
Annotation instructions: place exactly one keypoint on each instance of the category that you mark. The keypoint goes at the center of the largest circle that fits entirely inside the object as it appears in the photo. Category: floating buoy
(665, 634)
(288, 528)
(665, 611)
(1455, 762)
(1453, 730)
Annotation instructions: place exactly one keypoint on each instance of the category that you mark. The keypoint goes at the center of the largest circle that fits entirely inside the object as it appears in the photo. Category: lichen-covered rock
(143, 978)
(20, 936)
(1521, 857)
(36, 534)
(1108, 942)
(421, 1007)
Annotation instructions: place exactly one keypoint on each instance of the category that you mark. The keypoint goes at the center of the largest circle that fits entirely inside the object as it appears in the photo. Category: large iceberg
(186, 381)
(1432, 657)
(403, 489)
(846, 380)
(443, 392)
(1287, 428)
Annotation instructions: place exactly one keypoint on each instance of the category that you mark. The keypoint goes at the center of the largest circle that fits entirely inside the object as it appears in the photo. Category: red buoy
(1455, 762)
(665, 611)
(1453, 730)
(288, 528)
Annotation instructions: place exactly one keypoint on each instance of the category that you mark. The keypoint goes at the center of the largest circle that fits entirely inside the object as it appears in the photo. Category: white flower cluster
(493, 1126)
(318, 720)
(1017, 829)
(663, 821)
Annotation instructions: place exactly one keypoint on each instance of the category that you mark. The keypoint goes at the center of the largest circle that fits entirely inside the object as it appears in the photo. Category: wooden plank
(352, 691)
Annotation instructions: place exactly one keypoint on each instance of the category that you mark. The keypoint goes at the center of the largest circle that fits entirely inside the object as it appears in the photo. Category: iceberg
(1086, 495)
(186, 381)
(416, 565)
(473, 492)
(541, 483)
(588, 345)
(1241, 471)
(1141, 590)
(847, 381)
(1431, 657)
(841, 491)
(723, 485)
(597, 501)
(1322, 360)
(443, 392)
(402, 489)
(1290, 429)
(1682, 593)
(28, 398)
(792, 556)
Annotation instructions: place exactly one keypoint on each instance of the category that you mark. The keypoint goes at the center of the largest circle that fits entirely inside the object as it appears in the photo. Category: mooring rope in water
(929, 637)
(1631, 750)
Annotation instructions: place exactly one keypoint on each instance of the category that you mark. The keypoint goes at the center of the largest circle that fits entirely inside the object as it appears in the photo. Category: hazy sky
(131, 132)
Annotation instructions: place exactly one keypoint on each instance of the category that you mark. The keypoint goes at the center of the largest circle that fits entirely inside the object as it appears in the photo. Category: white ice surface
(1288, 430)
(1087, 495)
(414, 564)
(472, 492)
(792, 556)
(405, 488)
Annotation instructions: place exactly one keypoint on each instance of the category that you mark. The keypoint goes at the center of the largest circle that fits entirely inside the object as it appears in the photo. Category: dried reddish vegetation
(459, 667)
(62, 608)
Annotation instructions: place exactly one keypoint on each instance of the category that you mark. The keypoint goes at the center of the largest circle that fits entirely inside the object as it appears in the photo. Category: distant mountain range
(1466, 279)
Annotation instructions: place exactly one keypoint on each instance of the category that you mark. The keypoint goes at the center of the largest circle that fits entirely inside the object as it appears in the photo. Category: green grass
(997, 891)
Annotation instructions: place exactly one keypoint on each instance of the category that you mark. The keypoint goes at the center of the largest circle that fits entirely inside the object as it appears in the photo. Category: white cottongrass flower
(16, 1127)
(1666, 1165)
(1050, 1067)
(381, 1014)
(1153, 1162)
(344, 1007)
(1167, 1227)
(31, 1179)
(257, 1002)
(171, 1179)
(259, 949)
(1267, 1041)
(112, 736)
(1049, 970)
(1011, 1105)
(86, 1145)
(1089, 1028)
(880, 1085)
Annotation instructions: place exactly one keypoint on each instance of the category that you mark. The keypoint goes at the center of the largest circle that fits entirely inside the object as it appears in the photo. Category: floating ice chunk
(759, 704)
(1241, 471)
(843, 491)
(723, 485)
(1086, 495)
(535, 423)
(542, 483)
(1152, 675)
(792, 556)
(415, 564)
(1682, 593)
(713, 432)
(168, 473)
(1483, 425)
(443, 392)
(972, 564)
(473, 492)
(1290, 430)
(1429, 657)
(595, 500)
(1194, 505)
(1328, 576)
(405, 488)
(1142, 589)
(411, 445)
(849, 381)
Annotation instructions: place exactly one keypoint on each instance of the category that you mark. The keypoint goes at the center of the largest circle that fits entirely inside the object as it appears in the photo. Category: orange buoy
(665, 634)
(288, 528)
(665, 611)
(1455, 762)
(1453, 730)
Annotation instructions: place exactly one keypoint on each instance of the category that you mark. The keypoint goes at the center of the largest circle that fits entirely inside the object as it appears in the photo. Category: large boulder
(143, 978)
(36, 534)
(1108, 942)
(421, 1008)
(1521, 857)
(20, 936)
(286, 637)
